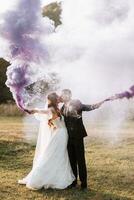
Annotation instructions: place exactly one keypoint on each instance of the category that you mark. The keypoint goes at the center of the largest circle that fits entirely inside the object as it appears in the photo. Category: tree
(5, 94)
(53, 11)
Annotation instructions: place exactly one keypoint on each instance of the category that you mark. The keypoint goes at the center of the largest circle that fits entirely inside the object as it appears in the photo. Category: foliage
(10, 109)
(53, 11)
(5, 95)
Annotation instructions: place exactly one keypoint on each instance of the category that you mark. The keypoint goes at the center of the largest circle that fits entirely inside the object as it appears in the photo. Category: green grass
(110, 167)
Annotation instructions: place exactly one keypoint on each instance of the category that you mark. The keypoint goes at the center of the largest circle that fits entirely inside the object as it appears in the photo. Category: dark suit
(76, 131)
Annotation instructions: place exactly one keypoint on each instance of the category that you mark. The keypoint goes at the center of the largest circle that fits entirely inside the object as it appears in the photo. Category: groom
(72, 112)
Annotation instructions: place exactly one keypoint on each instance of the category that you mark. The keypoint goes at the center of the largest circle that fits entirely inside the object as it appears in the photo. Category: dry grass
(10, 110)
(110, 167)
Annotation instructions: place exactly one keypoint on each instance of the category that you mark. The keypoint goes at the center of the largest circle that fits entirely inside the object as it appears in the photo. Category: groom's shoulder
(76, 102)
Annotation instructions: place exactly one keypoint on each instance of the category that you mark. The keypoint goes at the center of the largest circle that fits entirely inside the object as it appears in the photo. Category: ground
(110, 165)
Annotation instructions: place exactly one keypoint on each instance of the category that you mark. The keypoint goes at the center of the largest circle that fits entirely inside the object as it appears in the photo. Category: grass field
(110, 166)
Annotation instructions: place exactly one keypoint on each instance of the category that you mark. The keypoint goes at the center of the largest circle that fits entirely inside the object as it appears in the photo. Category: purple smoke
(18, 78)
(127, 94)
(24, 29)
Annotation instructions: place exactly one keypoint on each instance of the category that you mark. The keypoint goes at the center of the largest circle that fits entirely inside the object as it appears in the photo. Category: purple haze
(126, 94)
(23, 29)
(17, 79)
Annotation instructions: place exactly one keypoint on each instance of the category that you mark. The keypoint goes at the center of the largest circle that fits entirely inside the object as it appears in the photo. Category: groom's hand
(97, 105)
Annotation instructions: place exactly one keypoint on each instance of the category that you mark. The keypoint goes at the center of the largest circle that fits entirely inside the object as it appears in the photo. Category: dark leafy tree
(5, 94)
(53, 11)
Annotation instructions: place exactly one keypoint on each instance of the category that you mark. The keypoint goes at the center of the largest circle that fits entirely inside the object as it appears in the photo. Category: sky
(96, 45)
(6, 4)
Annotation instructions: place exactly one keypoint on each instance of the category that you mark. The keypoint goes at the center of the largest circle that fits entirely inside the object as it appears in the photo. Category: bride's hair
(53, 98)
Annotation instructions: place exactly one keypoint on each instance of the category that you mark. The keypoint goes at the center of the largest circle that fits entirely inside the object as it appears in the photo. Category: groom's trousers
(76, 154)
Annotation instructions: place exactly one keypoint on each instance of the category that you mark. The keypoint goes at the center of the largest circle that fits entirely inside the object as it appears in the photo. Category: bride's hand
(33, 111)
(30, 111)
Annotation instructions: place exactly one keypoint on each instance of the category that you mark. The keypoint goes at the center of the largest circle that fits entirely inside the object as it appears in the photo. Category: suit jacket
(73, 118)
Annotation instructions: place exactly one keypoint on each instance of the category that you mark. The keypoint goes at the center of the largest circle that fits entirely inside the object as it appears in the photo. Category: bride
(51, 166)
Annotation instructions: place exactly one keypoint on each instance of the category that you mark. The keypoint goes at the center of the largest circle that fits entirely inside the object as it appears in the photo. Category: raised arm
(91, 107)
(37, 111)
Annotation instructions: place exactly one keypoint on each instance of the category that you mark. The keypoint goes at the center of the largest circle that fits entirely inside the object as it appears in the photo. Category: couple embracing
(59, 155)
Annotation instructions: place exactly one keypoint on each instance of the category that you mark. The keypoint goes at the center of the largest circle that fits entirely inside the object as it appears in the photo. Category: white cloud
(46, 2)
(95, 46)
(6, 5)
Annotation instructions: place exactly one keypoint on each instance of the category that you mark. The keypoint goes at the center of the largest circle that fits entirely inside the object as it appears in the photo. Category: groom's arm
(90, 107)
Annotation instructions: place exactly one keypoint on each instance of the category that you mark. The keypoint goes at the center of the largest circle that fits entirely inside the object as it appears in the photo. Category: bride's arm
(37, 111)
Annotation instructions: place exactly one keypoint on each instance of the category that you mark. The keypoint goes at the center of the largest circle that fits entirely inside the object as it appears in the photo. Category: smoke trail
(127, 94)
(25, 31)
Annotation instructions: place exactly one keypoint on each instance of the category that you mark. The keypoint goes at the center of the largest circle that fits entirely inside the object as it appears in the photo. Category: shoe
(73, 185)
(30, 188)
(83, 186)
(21, 182)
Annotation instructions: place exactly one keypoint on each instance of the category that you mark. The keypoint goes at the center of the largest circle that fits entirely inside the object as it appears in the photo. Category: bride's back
(59, 122)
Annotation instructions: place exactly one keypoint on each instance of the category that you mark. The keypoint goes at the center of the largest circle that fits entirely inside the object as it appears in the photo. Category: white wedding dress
(51, 166)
